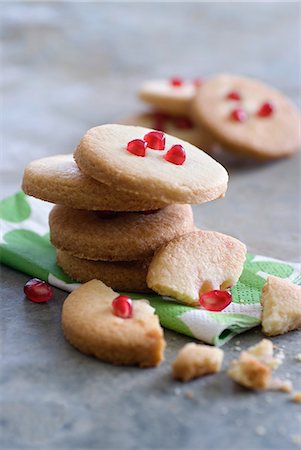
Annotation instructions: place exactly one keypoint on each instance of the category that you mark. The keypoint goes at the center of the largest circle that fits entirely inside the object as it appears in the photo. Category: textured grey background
(66, 67)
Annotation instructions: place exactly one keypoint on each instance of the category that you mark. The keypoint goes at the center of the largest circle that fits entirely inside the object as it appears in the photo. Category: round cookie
(57, 179)
(120, 237)
(122, 276)
(196, 263)
(180, 127)
(102, 154)
(172, 98)
(90, 325)
(265, 137)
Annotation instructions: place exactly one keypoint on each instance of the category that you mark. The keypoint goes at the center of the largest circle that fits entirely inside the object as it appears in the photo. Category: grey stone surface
(67, 67)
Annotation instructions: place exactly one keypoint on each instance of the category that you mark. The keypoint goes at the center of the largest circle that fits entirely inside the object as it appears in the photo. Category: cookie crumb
(296, 439)
(189, 394)
(177, 391)
(195, 360)
(260, 430)
(298, 357)
(254, 367)
(237, 348)
(277, 384)
(296, 397)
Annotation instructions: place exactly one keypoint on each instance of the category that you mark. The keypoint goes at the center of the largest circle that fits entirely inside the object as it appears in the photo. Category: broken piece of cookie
(195, 360)
(254, 367)
(281, 303)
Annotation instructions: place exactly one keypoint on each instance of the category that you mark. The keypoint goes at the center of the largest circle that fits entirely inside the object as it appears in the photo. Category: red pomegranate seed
(183, 123)
(155, 140)
(239, 115)
(176, 155)
(122, 306)
(265, 110)
(176, 81)
(137, 147)
(198, 82)
(38, 291)
(215, 300)
(233, 95)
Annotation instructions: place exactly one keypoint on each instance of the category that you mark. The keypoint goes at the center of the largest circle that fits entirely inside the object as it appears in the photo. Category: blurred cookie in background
(247, 117)
(172, 96)
(181, 127)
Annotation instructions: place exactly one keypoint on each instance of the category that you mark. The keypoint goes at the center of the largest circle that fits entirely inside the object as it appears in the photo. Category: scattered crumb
(237, 348)
(296, 397)
(189, 394)
(224, 410)
(177, 391)
(281, 385)
(298, 357)
(296, 439)
(254, 367)
(196, 360)
(260, 430)
(237, 342)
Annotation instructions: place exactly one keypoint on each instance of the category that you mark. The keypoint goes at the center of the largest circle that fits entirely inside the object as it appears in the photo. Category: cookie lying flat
(195, 360)
(57, 179)
(120, 237)
(248, 117)
(90, 325)
(168, 96)
(180, 127)
(281, 302)
(102, 154)
(123, 276)
(195, 263)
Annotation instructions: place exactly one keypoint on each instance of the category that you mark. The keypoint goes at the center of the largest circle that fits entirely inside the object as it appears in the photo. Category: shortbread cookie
(195, 263)
(57, 179)
(172, 96)
(281, 302)
(121, 237)
(254, 367)
(180, 127)
(121, 275)
(102, 154)
(248, 117)
(195, 360)
(90, 325)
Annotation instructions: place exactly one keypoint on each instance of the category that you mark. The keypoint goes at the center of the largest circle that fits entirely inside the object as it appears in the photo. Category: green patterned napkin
(25, 246)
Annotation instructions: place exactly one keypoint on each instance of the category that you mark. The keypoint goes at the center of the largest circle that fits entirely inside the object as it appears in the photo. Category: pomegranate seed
(233, 95)
(159, 121)
(176, 155)
(265, 110)
(176, 81)
(137, 147)
(215, 300)
(38, 291)
(239, 115)
(183, 123)
(122, 306)
(155, 140)
(198, 82)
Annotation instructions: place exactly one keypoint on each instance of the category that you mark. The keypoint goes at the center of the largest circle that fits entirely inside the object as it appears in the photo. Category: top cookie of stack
(121, 199)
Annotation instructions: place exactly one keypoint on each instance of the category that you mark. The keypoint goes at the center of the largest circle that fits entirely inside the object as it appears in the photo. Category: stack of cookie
(125, 194)
(225, 112)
